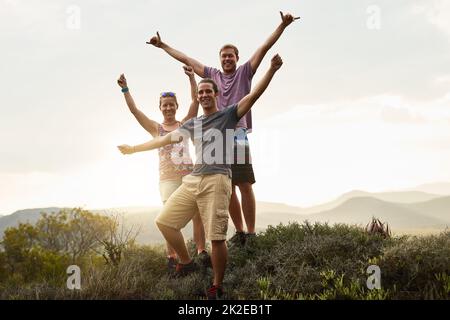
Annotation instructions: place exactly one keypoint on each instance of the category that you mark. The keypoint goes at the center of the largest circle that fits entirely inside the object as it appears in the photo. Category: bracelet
(125, 90)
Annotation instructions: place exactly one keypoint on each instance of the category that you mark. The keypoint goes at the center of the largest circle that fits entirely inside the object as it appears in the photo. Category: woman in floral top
(171, 171)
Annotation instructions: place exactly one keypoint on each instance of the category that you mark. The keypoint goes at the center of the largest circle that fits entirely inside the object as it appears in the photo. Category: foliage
(296, 261)
(42, 253)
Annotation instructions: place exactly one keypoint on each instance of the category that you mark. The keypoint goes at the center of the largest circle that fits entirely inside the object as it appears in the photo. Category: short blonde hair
(230, 46)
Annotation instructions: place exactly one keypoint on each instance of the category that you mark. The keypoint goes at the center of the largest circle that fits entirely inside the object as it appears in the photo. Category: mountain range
(413, 211)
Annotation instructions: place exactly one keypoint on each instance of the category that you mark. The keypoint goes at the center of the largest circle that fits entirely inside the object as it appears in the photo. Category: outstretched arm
(146, 123)
(199, 68)
(193, 109)
(155, 143)
(249, 100)
(255, 60)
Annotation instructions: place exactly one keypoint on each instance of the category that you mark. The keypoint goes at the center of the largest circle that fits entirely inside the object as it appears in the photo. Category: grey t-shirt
(213, 139)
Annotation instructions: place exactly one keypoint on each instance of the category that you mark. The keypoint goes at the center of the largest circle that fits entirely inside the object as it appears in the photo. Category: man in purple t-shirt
(234, 83)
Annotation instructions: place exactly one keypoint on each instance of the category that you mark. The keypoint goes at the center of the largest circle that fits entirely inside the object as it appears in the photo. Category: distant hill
(410, 211)
(142, 217)
(262, 206)
(268, 213)
(440, 188)
(23, 216)
(400, 216)
(397, 197)
(403, 196)
(438, 208)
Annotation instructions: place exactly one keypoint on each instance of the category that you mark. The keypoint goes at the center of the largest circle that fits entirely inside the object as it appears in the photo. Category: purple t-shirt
(232, 88)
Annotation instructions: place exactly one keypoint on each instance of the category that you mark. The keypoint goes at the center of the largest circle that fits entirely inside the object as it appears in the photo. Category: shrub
(296, 261)
(418, 267)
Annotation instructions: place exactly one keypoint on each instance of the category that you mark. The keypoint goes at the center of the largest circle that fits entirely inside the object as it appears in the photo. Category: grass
(295, 261)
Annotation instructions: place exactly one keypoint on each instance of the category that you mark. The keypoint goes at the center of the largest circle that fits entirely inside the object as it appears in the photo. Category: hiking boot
(182, 270)
(214, 293)
(238, 239)
(204, 259)
(171, 264)
(250, 238)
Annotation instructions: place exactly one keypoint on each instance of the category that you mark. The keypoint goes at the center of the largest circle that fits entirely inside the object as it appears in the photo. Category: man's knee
(162, 226)
(159, 225)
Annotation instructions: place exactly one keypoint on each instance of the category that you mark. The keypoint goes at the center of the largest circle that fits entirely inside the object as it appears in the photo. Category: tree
(17, 244)
(74, 232)
(45, 250)
(116, 240)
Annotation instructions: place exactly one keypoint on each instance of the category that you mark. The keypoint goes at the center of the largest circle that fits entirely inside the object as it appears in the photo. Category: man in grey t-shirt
(208, 189)
(234, 83)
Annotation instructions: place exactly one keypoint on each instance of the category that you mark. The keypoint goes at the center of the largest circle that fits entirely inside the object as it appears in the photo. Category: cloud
(442, 79)
(385, 107)
(437, 12)
(400, 115)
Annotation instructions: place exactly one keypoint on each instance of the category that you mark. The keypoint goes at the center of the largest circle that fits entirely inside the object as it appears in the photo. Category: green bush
(419, 267)
(295, 261)
(293, 258)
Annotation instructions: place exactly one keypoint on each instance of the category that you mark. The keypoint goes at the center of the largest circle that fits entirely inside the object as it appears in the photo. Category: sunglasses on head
(168, 94)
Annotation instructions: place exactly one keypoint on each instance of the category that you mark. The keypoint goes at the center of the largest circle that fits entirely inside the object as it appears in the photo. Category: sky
(361, 102)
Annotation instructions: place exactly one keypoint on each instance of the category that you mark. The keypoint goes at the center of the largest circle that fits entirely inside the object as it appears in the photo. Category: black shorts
(242, 173)
(242, 168)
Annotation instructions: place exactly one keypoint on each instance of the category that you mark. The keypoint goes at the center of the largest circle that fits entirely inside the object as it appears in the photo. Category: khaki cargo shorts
(208, 195)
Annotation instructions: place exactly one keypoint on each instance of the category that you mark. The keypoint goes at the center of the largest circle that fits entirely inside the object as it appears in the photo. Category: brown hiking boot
(171, 265)
(182, 270)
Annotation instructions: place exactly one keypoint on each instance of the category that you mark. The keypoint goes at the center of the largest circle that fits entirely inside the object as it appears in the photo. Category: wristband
(125, 90)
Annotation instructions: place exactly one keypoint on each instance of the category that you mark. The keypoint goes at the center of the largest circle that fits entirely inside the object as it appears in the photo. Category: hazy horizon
(438, 189)
(361, 102)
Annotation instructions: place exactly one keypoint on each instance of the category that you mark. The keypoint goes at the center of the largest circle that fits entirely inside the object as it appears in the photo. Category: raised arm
(193, 109)
(155, 143)
(255, 60)
(199, 68)
(249, 100)
(146, 123)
